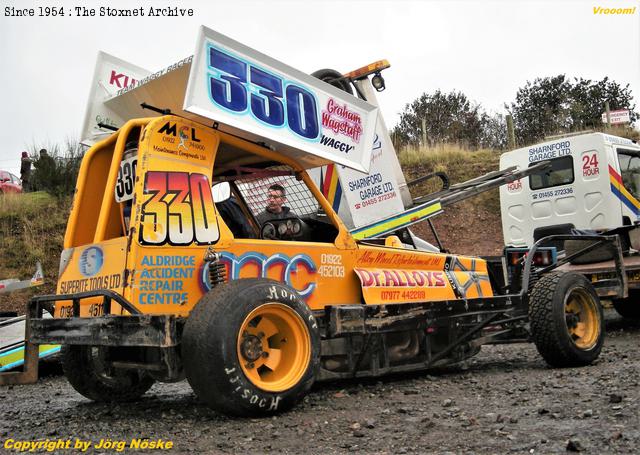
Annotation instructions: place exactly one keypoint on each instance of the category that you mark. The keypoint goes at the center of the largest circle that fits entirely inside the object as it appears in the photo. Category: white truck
(592, 187)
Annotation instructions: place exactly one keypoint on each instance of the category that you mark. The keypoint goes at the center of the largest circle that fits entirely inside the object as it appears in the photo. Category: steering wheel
(285, 229)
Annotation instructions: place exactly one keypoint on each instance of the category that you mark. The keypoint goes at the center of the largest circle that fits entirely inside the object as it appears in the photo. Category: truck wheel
(566, 320)
(86, 373)
(629, 307)
(251, 347)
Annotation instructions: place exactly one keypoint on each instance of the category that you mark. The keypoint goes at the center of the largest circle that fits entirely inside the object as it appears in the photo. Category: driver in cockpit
(275, 210)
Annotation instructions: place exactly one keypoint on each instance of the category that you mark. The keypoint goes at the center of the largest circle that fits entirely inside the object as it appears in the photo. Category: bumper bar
(135, 329)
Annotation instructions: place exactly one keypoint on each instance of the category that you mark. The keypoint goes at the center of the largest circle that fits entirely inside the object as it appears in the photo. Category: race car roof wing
(239, 90)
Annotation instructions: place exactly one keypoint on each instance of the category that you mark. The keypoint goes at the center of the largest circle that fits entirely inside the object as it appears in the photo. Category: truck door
(554, 201)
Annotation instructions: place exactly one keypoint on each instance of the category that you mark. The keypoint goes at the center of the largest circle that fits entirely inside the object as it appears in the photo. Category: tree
(556, 104)
(589, 97)
(448, 117)
(494, 131)
(541, 107)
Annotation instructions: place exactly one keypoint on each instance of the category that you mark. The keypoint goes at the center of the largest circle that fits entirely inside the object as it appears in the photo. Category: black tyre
(251, 347)
(330, 77)
(629, 307)
(89, 375)
(566, 320)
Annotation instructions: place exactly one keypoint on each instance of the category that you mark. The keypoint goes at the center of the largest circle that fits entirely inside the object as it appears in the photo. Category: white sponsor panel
(365, 198)
(126, 179)
(111, 75)
(389, 155)
(374, 196)
(615, 117)
(245, 91)
(242, 92)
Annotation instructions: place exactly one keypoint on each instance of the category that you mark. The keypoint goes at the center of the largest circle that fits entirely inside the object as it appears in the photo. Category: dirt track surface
(505, 400)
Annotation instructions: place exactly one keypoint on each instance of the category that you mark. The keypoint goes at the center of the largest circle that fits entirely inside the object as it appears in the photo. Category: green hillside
(32, 227)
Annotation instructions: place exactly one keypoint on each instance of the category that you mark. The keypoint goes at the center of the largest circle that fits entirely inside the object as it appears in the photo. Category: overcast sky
(486, 49)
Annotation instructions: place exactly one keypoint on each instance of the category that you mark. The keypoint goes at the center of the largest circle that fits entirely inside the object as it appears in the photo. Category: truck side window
(630, 171)
(561, 173)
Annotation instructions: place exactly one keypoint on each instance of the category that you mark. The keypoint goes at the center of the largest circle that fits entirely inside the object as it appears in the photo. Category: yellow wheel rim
(274, 347)
(581, 317)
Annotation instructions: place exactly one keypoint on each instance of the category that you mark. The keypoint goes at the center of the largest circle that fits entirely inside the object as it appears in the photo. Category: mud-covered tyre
(567, 323)
(629, 307)
(333, 77)
(251, 347)
(89, 376)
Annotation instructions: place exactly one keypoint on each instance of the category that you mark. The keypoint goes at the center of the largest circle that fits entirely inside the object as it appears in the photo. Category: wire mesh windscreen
(299, 199)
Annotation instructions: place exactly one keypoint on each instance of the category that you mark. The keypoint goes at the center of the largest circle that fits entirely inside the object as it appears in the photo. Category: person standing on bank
(25, 171)
(275, 210)
(44, 175)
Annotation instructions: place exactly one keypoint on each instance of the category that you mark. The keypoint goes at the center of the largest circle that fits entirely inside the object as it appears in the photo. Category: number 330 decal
(126, 179)
(177, 209)
(239, 87)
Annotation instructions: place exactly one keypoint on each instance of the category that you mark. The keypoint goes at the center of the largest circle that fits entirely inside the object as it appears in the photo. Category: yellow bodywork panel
(92, 180)
(174, 217)
(89, 268)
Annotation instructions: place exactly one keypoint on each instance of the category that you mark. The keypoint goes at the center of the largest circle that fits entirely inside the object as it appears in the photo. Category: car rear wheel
(91, 376)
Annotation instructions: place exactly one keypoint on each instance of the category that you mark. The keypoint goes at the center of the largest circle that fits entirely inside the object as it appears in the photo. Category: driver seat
(235, 219)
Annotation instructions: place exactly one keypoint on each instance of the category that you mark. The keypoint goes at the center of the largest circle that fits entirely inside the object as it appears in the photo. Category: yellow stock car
(164, 277)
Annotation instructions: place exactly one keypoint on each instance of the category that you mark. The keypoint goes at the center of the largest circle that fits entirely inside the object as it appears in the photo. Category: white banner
(110, 76)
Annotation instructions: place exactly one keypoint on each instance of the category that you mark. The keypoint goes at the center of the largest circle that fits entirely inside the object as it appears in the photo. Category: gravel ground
(505, 400)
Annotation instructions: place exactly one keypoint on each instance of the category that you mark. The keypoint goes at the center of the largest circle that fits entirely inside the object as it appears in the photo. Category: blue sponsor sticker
(91, 261)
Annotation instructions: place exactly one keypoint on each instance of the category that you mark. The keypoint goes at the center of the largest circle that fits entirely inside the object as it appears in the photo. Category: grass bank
(32, 227)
